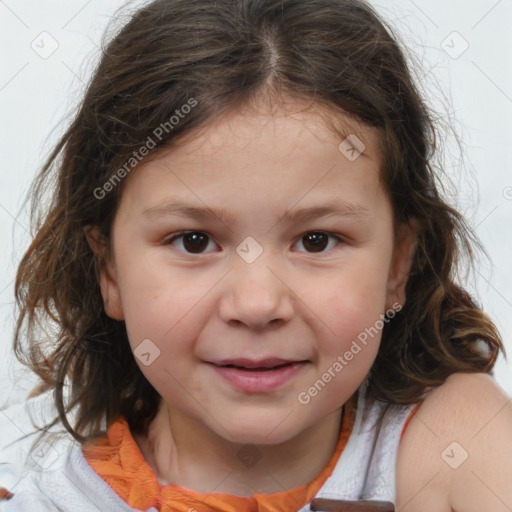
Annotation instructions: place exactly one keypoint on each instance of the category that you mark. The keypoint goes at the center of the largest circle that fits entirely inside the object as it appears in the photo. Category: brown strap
(320, 504)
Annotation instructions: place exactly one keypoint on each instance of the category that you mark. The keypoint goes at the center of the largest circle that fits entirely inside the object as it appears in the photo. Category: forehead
(273, 157)
(283, 127)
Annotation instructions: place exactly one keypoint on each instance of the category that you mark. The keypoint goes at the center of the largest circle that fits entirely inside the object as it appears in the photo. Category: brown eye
(317, 241)
(193, 242)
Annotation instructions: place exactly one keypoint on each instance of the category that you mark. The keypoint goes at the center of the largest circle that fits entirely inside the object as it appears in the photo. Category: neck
(185, 453)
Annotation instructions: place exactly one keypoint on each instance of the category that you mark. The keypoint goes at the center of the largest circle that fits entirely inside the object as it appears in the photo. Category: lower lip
(258, 381)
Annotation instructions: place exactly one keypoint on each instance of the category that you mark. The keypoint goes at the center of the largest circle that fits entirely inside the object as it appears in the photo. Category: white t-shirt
(57, 478)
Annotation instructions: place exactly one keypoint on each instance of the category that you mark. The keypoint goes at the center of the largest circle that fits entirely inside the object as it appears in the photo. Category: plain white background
(462, 49)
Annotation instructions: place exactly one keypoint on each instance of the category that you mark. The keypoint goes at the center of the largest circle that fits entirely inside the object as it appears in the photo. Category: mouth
(258, 369)
(262, 365)
(258, 376)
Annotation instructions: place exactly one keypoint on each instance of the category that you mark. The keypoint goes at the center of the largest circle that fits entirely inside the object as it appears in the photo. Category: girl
(250, 277)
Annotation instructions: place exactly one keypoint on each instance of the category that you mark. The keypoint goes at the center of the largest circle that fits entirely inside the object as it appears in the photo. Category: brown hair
(336, 53)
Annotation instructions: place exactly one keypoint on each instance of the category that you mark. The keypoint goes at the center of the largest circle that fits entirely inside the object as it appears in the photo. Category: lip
(259, 381)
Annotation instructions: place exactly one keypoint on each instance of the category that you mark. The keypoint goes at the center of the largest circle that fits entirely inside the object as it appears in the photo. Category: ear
(401, 262)
(107, 273)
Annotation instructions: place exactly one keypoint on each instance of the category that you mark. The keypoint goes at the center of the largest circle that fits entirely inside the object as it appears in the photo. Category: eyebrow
(338, 208)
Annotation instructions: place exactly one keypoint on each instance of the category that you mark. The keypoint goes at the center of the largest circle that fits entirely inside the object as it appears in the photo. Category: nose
(256, 295)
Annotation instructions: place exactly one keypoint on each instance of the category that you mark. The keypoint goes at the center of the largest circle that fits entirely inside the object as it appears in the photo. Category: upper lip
(269, 362)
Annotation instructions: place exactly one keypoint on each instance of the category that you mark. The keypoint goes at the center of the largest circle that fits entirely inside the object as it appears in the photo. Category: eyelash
(182, 234)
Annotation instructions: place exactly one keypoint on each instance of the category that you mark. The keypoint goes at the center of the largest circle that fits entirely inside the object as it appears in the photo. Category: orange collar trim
(117, 459)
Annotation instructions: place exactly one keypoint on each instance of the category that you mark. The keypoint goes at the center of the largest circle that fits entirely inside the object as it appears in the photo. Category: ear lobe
(403, 257)
(107, 273)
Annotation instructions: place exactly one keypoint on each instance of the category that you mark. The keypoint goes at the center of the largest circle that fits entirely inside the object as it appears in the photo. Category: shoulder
(47, 474)
(25, 455)
(456, 453)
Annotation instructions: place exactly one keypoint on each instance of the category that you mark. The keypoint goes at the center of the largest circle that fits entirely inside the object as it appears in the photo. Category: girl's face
(289, 257)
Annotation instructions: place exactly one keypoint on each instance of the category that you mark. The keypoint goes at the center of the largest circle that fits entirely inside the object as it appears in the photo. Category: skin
(474, 412)
(291, 302)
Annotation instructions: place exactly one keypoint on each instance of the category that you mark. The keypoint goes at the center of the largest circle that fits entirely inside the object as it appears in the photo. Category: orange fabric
(5, 494)
(411, 414)
(118, 460)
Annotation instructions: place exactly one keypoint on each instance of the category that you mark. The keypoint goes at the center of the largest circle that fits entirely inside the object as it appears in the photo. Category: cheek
(163, 319)
(350, 299)
(349, 309)
(355, 345)
(159, 305)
